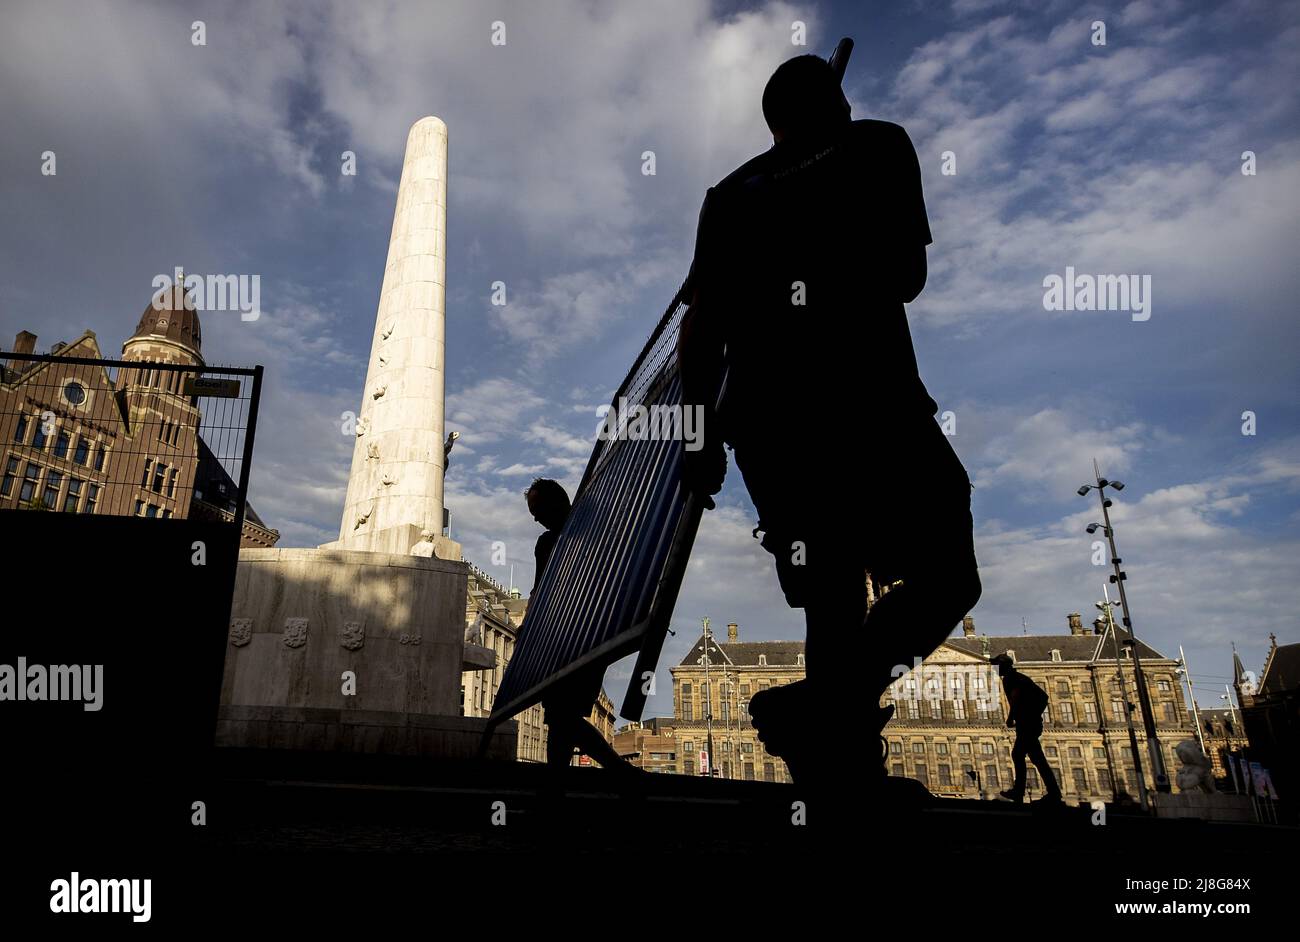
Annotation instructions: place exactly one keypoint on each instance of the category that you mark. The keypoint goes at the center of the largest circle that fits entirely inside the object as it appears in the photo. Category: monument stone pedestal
(351, 651)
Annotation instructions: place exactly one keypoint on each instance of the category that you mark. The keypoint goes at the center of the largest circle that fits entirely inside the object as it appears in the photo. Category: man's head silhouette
(802, 96)
(548, 503)
(1004, 664)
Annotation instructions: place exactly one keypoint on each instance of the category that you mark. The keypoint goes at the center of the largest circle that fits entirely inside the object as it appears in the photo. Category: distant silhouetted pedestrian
(1026, 703)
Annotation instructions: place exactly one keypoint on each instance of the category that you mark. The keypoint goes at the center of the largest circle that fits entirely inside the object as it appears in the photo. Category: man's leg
(1017, 790)
(1039, 759)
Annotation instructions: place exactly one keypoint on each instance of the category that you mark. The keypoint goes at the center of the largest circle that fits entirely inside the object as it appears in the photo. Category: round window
(75, 393)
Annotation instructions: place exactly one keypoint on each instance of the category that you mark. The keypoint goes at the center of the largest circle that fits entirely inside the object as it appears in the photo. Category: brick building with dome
(75, 439)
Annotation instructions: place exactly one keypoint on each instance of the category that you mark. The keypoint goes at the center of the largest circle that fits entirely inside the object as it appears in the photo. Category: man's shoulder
(754, 167)
(875, 133)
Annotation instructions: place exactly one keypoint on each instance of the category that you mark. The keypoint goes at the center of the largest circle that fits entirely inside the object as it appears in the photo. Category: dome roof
(171, 315)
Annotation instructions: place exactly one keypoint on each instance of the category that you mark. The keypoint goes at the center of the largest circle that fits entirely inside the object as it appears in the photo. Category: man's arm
(907, 259)
(700, 348)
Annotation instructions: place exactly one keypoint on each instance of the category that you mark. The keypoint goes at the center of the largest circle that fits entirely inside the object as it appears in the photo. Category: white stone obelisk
(395, 487)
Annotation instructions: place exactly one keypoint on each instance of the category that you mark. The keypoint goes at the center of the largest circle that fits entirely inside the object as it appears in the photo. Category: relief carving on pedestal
(352, 635)
(379, 390)
(241, 631)
(295, 632)
(363, 426)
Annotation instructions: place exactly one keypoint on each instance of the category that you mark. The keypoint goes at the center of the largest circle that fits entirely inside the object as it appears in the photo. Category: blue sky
(1123, 158)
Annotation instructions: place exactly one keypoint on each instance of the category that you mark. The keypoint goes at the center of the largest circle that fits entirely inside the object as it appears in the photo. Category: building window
(61, 443)
(769, 772)
(11, 475)
(747, 747)
(1080, 780)
(75, 393)
(1171, 712)
(53, 481)
(1067, 714)
(38, 436)
(941, 748)
(991, 776)
(167, 515)
(936, 709)
(986, 748)
(762, 660)
(913, 709)
(1050, 751)
(1089, 713)
(159, 476)
(897, 770)
(73, 495)
(963, 748)
(918, 748)
(1062, 688)
(1103, 780)
(895, 747)
(1162, 685)
(144, 477)
(945, 776)
(30, 478)
(959, 709)
(688, 766)
(1117, 710)
(922, 774)
(99, 457)
(749, 771)
(20, 430)
(82, 451)
(171, 482)
(92, 497)
(139, 508)
(1087, 687)
(1075, 752)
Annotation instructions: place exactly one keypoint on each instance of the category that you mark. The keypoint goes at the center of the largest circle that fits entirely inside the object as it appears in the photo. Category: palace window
(897, 770)
(1090, 713)
(38, 436)
(922, 773)
(986, 748)
(1103, 780)
(991, 776)
(61, 443)
(144, 477)
(159, 476)
(963, 748)
(769, 772)
(1062, 688)
(20, 430)
(1075, 752)
(936, 709)
(918, 748)
(945, 775)
(1117, 710)
(1171, 712)
(82, 451)
(1067, 714)
(99, 457)
(92, 499)
(1162, 685)
(959, 709)
(941, 748)
(895, 747)
(913, 709)
(1050, 751)
(139, 508)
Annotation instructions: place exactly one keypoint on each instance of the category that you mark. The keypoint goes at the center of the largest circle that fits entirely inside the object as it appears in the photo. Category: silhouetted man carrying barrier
(567, 704)
(804, 259)
(1026, 702)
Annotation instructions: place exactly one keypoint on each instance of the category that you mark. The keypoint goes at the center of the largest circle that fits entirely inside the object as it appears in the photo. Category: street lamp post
(1128, 707)
(1144, 700)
